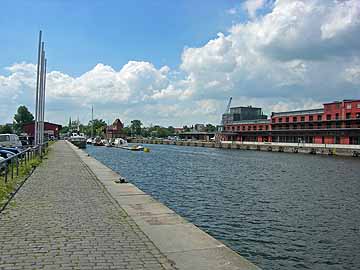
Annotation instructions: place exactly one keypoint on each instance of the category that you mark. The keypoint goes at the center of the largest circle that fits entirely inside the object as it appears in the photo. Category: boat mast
(92, 121)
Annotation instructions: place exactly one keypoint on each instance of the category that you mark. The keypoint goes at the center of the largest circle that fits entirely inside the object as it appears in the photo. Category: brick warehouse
(337, 122)
(50, 129)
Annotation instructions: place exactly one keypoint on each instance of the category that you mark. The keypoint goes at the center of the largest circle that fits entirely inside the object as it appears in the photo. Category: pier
(304, 148)
(73, 213)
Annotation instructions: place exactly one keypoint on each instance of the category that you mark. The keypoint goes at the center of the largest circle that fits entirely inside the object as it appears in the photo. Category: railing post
(17, 165)
(12, 168)
(6, 172)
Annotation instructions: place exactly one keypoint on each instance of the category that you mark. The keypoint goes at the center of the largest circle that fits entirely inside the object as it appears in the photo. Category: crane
(226, 111)
(228, 106)
(221, 127)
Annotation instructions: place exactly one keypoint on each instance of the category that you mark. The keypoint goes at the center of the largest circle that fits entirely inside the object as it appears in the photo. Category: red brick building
(50, 129)
(336, 123)
(115, 130)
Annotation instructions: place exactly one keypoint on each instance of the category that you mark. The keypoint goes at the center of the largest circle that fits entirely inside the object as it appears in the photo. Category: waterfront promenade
(63, 219)
(70, 214)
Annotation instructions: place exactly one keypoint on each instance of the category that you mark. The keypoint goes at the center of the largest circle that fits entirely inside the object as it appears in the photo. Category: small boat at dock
(78, 140)
(120, 143)
(98, 142)
(123, 144)
(134, 148)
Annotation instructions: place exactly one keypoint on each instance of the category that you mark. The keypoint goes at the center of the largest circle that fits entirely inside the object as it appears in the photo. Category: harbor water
(280, 211)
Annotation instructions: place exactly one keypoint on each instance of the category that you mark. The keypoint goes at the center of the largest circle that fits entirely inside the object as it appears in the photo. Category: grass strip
(8, 189)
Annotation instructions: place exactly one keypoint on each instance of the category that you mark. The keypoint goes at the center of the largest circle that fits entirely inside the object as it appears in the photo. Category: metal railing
(10, 166)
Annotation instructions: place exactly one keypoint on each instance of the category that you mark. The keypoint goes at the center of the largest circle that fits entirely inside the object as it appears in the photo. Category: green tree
(23, 116)
(127, 131)
(186, 129)
(171, 130)
(136, 127)
(99, 125)
(210, 128)
(64, 130)
(5, 129)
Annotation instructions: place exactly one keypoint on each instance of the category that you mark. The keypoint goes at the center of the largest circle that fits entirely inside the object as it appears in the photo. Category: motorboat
(98, 142)
(104, 142)
(89, 141)
(120, 143)
(109, 143)
(78, 140)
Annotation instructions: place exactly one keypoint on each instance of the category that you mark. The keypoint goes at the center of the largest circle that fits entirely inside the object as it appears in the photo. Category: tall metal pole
(36, 134)
(92, 121)
(40, 136)
(43, 99)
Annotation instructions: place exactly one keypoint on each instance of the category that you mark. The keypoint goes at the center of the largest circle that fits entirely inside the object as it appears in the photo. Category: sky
(178, 62)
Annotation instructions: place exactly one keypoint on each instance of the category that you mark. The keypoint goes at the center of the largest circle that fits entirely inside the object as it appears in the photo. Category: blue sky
(82, 33)
(177, 62)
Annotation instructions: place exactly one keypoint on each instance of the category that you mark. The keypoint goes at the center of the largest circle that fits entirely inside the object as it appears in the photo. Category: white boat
(104, 142)
(78, 140)
(98, 142)
(89, 141)
(120, 142)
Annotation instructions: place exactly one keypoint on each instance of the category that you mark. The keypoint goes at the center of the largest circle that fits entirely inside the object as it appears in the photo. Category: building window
(319, 117)
(328, 125)
(267, 127)
(328, 117)
(287, 119)
(357, 115)
(273, 120)
(294, 119)
(254, 127)
(348, 115)
(337, 105)
(311, 118)
(249, 127)
(302, 118)
(337, 116)
(260, 127)
(348, 106)
(280, 120)
(358, 106)
(243, 127)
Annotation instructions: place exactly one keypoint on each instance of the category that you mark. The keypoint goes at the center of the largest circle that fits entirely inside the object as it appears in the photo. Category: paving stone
(64, 219)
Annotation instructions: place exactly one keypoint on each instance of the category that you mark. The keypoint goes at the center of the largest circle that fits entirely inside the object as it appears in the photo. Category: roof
(256, 121)
(31, 123)
(246, 107)
(300, 112)
(197, 133)
(345, 100)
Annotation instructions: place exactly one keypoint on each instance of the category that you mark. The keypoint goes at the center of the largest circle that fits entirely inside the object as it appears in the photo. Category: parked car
(2, 165)
(5, 153)
(13, 150)
(10, 140)
(25, 140)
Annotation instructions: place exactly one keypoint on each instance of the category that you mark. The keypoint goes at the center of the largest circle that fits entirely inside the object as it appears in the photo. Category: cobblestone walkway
(63, 219)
